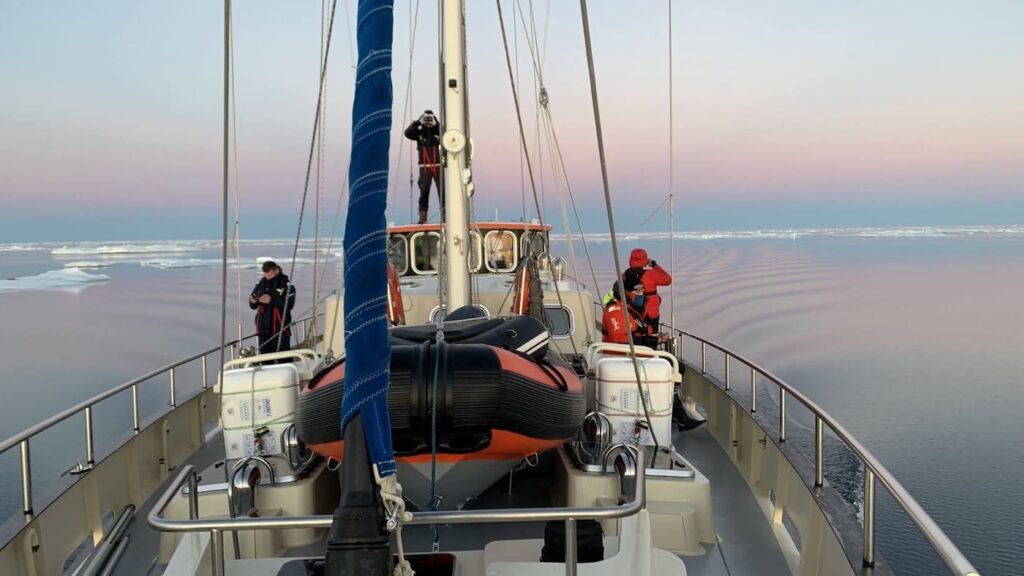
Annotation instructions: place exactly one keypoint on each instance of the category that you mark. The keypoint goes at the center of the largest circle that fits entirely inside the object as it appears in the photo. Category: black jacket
(270, 317)
(428, 142)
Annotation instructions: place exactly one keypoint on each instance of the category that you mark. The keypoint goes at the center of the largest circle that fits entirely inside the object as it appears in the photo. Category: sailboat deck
(746, 544)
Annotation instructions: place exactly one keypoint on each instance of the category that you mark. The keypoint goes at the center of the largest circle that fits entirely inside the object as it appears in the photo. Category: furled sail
(367, 347)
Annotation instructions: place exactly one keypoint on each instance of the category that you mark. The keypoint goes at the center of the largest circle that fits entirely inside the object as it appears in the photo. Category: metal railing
(23, 438)
(873, 468)
(217, 526)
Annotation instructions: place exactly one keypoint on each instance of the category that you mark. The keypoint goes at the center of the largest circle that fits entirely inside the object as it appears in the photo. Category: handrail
(157, 521)
(216, 526)
(69, 412)
(22, 438)
(946, 549)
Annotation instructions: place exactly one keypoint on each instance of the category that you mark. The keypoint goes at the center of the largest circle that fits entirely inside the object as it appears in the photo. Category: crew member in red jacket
(652, 276)
(614, 324)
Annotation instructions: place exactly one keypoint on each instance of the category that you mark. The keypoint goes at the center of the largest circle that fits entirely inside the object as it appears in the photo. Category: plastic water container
(619, 399)
(254, 397)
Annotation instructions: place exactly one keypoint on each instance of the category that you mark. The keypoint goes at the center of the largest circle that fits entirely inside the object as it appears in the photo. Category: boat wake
(70, 279)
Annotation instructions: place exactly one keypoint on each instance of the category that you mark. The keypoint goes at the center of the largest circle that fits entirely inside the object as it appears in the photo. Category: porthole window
(500, 251)
(559, 321)
(474, 252)
(534, 243)
(426, 252)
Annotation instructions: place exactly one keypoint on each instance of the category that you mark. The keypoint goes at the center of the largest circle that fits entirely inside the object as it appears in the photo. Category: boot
(423, 217)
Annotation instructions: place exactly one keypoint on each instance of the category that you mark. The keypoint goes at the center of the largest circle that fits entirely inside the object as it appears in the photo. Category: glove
(653, 264)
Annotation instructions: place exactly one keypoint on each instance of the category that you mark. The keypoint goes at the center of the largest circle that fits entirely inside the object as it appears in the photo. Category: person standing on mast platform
(427, 134)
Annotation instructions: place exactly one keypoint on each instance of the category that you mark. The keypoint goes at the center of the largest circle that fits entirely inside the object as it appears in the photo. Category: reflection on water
(912, 343)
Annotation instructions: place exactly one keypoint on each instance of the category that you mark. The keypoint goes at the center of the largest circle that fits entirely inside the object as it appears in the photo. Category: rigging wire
(561, 200)
(234, 152)
(671, 214)
(536, 114)
(657, 209)
(522, 175)
(406, 115)
(611, 219)
(309, 162)
(224, 241)
(539, 71)
(522, 140)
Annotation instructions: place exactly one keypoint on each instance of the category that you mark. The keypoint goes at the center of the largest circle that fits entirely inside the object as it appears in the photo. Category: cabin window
(398, 254)
(559, 321)
(426, 252)
(534, 243)
(474, 252)
(500, 249)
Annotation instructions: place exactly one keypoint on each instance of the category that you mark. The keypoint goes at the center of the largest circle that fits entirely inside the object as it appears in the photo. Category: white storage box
(619, 399)
(254, 397)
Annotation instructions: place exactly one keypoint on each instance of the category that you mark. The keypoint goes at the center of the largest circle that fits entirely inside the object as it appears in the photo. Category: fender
(396, 310)
(521, 290)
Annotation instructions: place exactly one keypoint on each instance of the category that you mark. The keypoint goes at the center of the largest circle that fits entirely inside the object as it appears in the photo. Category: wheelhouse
(495, 247)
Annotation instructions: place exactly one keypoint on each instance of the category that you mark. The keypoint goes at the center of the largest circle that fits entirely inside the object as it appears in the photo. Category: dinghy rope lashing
(434, 499)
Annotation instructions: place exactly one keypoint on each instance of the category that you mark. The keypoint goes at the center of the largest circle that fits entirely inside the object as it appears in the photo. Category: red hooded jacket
(613, 324)
(651, 278)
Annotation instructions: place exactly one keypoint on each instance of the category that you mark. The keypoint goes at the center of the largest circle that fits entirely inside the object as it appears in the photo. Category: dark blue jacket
(271, 317)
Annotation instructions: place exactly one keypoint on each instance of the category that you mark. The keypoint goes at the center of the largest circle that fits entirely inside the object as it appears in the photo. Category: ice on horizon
(119, 249)
(71, 279)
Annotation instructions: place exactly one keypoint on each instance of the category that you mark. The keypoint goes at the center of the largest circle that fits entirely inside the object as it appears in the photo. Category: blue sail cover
(367, 348)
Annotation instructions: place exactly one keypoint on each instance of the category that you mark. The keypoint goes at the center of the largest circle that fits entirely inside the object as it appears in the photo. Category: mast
(457, 181)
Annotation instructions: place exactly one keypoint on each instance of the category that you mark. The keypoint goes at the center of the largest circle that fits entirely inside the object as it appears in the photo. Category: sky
(786, 113)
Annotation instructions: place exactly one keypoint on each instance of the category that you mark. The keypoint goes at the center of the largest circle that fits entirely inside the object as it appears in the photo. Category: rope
(394, 506)
(320, 174)
(438, 337)
(611, 218)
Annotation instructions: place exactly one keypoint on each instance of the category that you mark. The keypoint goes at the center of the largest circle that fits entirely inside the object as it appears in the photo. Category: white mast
(457, 181)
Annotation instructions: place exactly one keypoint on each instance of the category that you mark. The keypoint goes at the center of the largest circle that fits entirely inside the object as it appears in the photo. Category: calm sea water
(912, 339)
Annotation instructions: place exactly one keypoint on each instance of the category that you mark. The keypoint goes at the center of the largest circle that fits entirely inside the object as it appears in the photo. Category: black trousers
(430, 174)
(268, 343)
